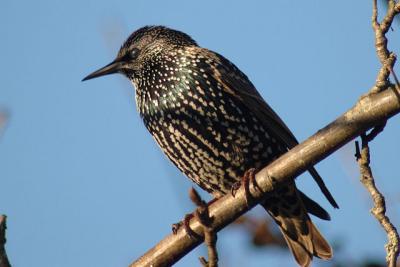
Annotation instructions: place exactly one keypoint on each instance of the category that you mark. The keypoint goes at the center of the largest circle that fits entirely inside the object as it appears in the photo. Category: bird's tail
(288, 207)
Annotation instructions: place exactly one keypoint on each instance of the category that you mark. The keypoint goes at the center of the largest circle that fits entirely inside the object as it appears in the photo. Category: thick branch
(371, 110)
(3, 255)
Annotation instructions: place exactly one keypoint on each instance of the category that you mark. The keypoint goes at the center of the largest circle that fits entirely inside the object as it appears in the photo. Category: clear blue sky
(82, 181)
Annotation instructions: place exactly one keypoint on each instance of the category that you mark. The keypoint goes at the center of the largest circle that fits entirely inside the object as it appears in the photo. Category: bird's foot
(247, 179)
(201, 214)
(185, 223)
(235, 187)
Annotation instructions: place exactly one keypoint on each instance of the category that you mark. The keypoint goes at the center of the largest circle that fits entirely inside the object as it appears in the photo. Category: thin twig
(210, 236)
(3, 255)
(387, 58)
(379, 209)
(210, 239)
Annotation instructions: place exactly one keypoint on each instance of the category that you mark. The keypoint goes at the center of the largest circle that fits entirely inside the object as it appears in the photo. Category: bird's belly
(211, 151)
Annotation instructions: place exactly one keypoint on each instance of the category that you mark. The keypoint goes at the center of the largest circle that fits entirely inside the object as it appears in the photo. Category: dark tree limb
(3, 255)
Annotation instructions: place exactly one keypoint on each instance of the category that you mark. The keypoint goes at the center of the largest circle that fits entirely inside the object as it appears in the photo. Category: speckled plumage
(211, 122)
(209, 135)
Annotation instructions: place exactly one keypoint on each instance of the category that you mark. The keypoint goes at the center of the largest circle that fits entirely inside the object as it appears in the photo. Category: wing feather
(237, 84)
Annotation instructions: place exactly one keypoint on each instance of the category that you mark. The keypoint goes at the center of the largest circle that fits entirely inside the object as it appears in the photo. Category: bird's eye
(133, 54)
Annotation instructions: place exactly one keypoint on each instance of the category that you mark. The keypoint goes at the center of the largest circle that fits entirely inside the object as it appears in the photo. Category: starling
(210, 121)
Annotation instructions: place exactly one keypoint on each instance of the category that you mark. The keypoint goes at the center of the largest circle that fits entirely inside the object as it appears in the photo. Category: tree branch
(3, 255)
(387, 58)
(210, 237)
(379, 209)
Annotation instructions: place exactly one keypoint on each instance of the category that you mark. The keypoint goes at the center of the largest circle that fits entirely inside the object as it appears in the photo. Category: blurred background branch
(4, 115)
(3, 255)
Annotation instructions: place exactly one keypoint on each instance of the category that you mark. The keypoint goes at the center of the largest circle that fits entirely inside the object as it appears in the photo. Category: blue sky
(82, 181)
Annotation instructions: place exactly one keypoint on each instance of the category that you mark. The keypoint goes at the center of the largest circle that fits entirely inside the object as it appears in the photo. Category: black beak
(111, 68)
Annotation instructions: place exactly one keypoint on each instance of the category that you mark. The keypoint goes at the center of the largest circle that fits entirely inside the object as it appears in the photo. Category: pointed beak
(111, 68)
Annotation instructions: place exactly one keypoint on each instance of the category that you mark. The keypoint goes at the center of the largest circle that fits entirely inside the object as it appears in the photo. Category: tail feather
(322, 186)
(300, 250)
(313, 207)
(322, 249)
(288, 210)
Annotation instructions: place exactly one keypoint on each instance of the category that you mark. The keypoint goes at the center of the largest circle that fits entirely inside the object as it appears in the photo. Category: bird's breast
(204, 132)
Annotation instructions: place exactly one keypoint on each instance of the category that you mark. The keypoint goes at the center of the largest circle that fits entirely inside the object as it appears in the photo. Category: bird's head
(143, 45)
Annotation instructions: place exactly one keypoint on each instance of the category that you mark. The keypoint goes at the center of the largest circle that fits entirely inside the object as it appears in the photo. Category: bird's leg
(186, 225)
(252, 178)
(201, 208)
(175, 227)
(235, 187)
(247, 179)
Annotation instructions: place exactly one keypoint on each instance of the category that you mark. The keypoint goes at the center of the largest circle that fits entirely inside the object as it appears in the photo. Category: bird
(212, 123)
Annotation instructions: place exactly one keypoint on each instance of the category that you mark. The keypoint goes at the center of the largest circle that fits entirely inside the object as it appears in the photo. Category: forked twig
(210, 236)
(379, 209)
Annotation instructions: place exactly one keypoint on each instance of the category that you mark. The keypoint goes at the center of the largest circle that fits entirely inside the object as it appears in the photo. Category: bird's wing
(237, 84)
